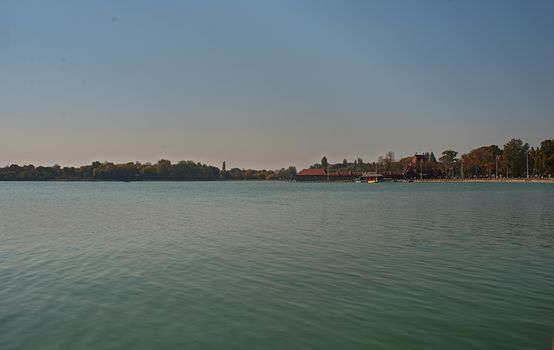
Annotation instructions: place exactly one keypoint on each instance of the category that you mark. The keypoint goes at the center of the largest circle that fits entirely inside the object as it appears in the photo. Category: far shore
(486, 180)
(470, 180)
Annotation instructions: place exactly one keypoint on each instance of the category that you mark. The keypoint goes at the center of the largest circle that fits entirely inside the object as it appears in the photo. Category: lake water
(270, 265)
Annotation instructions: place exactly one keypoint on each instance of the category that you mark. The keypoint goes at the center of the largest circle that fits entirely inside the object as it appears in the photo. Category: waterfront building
(424, 166)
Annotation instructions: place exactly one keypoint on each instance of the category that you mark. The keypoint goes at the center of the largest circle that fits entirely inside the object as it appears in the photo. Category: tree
(223, 172)
(387, 160)
(290, 173)
(162, 169)
(448, 160)
(481, 161)
(148, 172)
(544, 158)
(404, 162)
(324, 163)
(380, 164)
(235, 174)
(515, 157)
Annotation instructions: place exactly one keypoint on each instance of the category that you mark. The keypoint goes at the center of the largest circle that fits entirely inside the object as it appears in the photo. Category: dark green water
(276, 266)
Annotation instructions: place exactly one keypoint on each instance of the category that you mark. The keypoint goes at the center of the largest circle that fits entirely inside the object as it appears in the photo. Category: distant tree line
(512, 160)
(163, 170)
(515, 159)
(251, 174)
(384, 164)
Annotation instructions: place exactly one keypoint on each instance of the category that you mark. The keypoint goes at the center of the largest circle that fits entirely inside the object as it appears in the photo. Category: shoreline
(542, 181)
(547, 180)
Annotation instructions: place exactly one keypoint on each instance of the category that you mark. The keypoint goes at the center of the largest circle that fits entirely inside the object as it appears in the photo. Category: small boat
(370, 178)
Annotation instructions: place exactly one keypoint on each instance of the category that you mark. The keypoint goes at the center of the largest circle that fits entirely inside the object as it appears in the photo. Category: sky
(268, 84)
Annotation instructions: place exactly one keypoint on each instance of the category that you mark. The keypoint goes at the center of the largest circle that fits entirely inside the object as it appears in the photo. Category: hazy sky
(270, 83)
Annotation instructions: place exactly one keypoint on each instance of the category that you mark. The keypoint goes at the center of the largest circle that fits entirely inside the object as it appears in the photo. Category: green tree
(324, 163)
(223, 172)
(544, 158)
(514, 157)
(448, 160)
(163, 168)
(290, 173)
(388, 160)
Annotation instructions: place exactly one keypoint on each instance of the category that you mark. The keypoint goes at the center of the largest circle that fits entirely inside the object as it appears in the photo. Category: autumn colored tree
(481, 161)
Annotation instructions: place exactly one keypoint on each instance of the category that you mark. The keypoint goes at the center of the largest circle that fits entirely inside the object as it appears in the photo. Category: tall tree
(387, 160)
(515, 156)
(324, 163)
(544, 159)
(448, 160)
(223, 173)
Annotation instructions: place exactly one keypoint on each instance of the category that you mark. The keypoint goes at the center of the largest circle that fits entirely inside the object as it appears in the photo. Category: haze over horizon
(272, 84)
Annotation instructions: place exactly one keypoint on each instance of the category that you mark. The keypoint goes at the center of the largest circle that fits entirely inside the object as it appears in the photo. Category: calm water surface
(261, 265)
